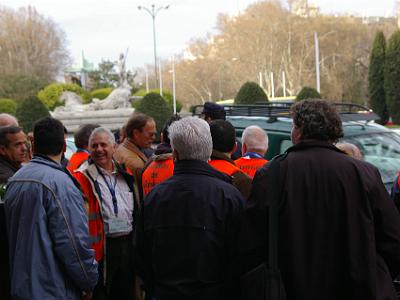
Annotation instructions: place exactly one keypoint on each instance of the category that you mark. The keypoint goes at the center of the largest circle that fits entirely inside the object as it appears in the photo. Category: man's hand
(87, 295)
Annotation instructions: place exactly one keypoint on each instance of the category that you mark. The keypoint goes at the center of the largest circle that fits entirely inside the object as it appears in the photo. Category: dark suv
(379, 145)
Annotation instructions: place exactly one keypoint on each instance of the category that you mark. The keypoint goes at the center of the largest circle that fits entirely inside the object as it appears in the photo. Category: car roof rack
(281, 109)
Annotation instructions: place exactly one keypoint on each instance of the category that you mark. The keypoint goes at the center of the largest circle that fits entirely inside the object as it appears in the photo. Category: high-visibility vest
(96, 227)
(156, 172)
(224, 166)
(250, 165)
(76, 160)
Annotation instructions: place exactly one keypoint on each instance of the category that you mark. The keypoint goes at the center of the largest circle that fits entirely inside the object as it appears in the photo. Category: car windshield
(381, 150)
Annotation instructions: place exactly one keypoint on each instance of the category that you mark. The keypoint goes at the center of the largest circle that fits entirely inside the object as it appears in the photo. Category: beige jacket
(130, 155)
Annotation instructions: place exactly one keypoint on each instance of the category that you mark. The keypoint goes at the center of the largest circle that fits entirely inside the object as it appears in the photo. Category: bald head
(8, 120)
(254, 139)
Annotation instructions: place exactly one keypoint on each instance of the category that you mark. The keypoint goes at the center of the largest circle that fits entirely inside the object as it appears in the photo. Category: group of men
(187, 221)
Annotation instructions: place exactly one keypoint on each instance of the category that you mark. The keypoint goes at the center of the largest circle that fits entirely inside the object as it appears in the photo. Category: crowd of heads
(191, 137)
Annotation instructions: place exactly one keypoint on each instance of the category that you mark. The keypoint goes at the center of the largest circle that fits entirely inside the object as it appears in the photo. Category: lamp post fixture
(153, 13)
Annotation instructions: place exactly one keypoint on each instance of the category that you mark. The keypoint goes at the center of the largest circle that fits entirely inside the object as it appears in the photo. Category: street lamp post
(153, 13)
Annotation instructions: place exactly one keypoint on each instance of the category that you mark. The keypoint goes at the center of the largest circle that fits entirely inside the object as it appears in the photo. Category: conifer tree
(376, 78)
(392, 76)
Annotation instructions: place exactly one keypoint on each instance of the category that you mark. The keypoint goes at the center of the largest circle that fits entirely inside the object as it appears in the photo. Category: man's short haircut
(191, 138)
(48, 136)
(255, 139)
(100, 130)
(8, 120)
(5, 130)
(223, 135)
(81, 137)
(165, 129)
(317, 119)
(214, 111)
(137, 121)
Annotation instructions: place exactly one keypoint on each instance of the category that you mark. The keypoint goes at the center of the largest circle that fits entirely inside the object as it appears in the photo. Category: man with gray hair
(254, 147)
(111, 206)
(8, 120)
(188, 226)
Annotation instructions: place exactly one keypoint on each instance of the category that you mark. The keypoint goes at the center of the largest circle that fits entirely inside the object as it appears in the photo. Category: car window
(285, 144)
(71, 149)
(381, 150)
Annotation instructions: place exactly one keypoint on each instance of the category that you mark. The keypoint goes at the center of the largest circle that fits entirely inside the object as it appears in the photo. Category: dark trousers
(120, 279)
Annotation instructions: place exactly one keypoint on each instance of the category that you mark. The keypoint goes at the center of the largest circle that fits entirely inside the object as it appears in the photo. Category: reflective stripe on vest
(157, 172)
(250, 165)
(224, 166)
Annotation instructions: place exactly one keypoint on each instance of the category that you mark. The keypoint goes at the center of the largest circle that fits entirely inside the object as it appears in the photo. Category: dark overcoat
(186, 234)
(339, 232)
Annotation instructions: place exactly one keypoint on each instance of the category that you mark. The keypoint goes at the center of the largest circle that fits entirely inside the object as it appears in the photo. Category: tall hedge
(392, 76)
(308, 93)
(20, 86)
(29, 111)
(250, 93)
(155, 106)
(50, 95)
(8, 106)
(376, 78)
(167, 95)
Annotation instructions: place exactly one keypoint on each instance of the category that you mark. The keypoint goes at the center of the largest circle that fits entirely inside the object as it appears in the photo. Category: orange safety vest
(224, 166)
(157, 172)
(96, 227)
(250, 165)
(76, 160)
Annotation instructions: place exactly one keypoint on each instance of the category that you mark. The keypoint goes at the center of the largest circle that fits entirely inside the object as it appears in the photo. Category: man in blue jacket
(50, 254)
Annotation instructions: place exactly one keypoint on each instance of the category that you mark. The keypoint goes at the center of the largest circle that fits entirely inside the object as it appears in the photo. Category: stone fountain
(112, 112)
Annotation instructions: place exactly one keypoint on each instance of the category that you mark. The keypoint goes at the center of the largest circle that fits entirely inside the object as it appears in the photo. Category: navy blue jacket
(50, 254)
(187, 232)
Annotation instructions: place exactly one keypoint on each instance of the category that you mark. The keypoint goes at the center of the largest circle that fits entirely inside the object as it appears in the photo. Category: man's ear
(65, 146)
(2, 150)
(175, 155)
(134, 133)
(244, 148)
(234, 148)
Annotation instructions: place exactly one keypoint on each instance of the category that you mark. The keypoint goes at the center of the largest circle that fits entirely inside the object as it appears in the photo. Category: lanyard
(253, 155)
(111, 188)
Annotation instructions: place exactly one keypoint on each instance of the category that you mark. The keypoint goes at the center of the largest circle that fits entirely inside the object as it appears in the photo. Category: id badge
(116, 225)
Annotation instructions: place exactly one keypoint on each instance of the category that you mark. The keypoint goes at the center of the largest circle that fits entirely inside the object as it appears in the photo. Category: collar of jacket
(45, 160)
(304, 144)
(198, 167)
(90, 167)
(222, 156)
(132, 147)
(12, 165)
(163, 148)
(160, 157)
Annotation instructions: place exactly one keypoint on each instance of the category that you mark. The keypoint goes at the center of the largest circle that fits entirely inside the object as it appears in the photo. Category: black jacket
(188, 229)
(339, 232)
(7, 169)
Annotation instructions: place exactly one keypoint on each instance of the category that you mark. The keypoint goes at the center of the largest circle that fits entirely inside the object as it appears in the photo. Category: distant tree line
(266, 40)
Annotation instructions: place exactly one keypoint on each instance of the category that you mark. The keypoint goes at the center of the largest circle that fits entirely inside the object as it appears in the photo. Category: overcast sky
(105, 28)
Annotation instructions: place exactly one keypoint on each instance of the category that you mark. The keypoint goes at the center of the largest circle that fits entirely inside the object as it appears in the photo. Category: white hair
(8, 120)
(255, 139)
(191, 138)
(99, 130)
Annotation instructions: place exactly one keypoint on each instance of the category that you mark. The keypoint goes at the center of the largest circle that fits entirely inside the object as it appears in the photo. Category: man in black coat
(189, 223)
(339, 232)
